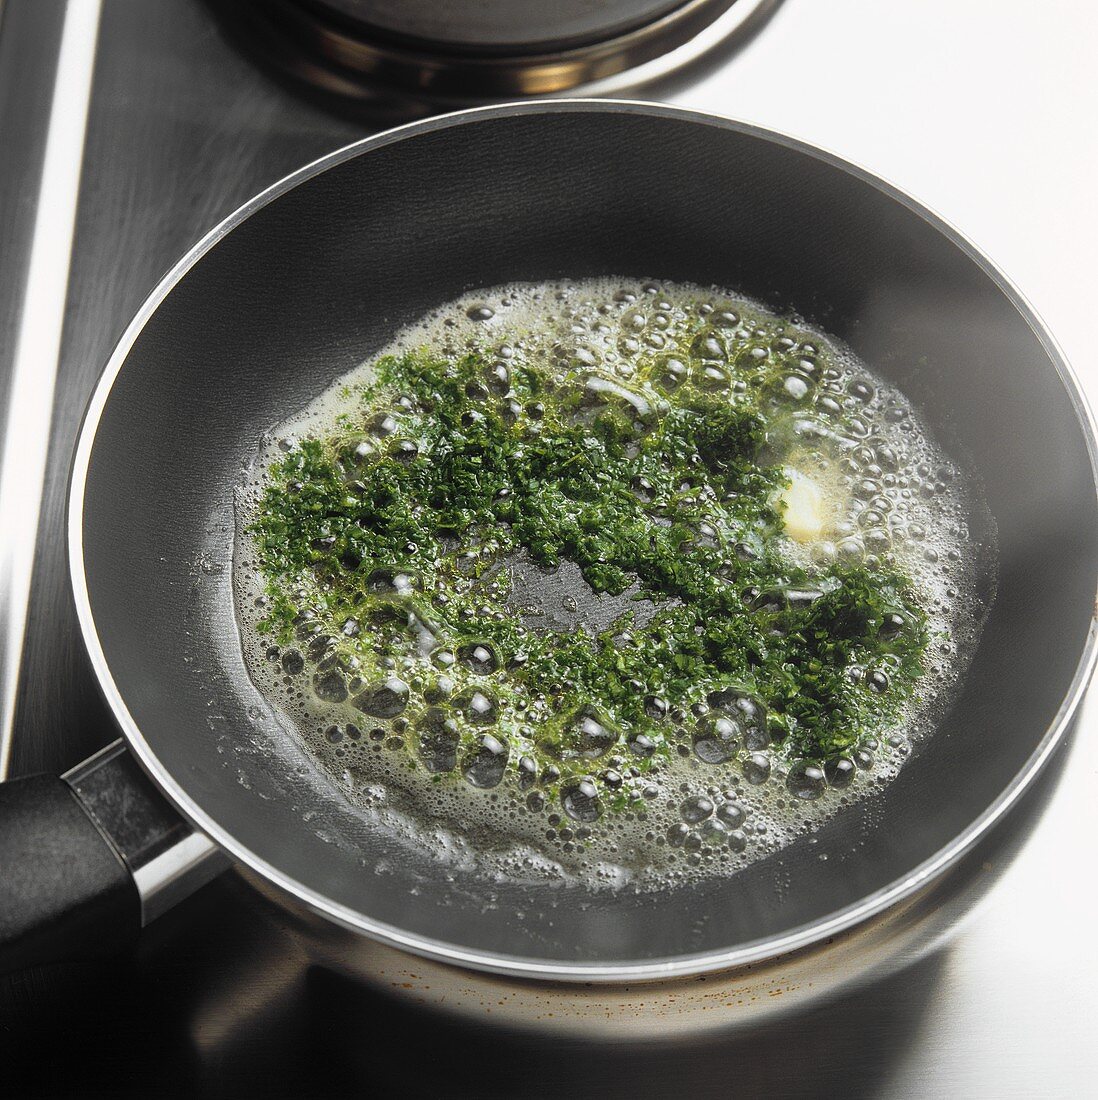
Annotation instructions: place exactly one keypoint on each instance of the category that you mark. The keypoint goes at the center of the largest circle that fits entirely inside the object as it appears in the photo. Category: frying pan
(315, 275)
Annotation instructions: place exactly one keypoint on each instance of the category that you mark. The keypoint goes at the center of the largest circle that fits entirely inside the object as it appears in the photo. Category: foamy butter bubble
(867, 483)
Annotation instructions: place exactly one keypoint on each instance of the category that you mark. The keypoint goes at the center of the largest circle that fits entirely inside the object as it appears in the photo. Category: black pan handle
(88, 858)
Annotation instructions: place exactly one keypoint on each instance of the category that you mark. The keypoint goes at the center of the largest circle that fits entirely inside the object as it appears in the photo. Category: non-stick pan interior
(314, 280)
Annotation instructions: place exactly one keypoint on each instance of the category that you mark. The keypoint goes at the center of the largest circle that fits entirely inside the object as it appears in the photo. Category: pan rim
(533, 968)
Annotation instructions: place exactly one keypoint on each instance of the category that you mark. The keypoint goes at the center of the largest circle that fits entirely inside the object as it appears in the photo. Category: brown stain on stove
(669, 1005)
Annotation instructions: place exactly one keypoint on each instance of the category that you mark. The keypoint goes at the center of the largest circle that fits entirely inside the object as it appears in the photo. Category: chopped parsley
(387, 548)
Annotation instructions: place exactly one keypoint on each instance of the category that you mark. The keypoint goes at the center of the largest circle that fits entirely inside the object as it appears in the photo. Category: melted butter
(853, 493)
(804, 510)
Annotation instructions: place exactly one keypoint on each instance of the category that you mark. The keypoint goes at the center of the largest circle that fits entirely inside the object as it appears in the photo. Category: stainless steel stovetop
(984, 110)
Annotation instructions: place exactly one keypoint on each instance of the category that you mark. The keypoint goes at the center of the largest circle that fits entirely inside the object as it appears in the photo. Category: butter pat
(804, 513)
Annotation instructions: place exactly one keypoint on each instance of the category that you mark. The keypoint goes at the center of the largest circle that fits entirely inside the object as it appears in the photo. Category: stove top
(985, 120)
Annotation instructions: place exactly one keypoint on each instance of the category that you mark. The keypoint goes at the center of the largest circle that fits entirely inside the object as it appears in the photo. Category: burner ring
(314, 44)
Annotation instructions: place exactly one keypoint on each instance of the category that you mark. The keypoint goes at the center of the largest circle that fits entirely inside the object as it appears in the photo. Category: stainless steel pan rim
(653, 970)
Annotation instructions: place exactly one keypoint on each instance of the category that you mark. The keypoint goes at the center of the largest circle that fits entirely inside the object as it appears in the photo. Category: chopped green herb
(395, 538)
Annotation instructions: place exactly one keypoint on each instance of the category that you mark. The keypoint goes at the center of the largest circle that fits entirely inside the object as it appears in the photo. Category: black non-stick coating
(320, 276)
